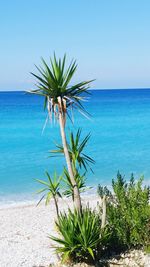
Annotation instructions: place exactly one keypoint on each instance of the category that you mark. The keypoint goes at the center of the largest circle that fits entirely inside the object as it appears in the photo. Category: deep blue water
(120, 139)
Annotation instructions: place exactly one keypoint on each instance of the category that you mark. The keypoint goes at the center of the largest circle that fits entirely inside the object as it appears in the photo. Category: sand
(24, 234)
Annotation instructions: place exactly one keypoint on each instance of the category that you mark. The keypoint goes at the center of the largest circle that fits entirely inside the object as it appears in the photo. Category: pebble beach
(25, 242)
(24, 235)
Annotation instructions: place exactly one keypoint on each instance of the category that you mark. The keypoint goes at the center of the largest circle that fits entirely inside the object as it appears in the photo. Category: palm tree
(51, 190)
(53, 83)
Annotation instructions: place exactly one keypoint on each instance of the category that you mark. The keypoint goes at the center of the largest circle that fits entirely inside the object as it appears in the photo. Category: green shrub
(129, 214)
(80, 235)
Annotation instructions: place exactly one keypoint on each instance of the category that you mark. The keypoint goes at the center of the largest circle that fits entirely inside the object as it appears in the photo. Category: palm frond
(52, 186)
(76, 147)
(53, 81)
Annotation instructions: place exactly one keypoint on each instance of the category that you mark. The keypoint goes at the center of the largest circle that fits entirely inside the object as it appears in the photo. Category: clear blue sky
(110, 39)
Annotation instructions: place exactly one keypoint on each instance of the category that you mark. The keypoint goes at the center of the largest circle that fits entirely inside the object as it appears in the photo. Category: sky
(110, 39)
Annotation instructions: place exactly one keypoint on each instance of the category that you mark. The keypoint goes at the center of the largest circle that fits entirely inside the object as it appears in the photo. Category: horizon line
(102, 89)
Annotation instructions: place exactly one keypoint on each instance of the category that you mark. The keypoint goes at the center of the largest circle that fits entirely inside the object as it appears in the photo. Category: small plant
(80, 235)
(103, 191)
(51, 190)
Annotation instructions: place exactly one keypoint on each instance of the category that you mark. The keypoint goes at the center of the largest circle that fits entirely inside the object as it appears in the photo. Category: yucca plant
(79, 235)
(53, 83)
(51, 190)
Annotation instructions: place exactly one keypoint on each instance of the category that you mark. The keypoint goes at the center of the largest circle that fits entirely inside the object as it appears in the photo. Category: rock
(147, 261)
(132, 258)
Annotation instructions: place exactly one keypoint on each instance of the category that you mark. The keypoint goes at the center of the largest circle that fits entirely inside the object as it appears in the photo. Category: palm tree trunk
(103, 212)
(77, 198)
(56, 206)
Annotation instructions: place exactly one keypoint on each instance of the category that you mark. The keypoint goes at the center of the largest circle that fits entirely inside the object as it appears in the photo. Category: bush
(80, 235)
(128, 215)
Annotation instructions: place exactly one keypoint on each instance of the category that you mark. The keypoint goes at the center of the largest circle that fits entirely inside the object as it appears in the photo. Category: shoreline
(8, 202)
(33, 203)
(19, 204)
(30, 201)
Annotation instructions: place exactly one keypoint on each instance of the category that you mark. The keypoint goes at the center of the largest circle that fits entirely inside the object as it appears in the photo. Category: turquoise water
(120, 139)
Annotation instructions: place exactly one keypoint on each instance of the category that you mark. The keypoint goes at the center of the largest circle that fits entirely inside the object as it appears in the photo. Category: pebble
(133, 258)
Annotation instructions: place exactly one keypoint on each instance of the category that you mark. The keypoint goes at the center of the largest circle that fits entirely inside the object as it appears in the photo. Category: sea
(119, 125)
